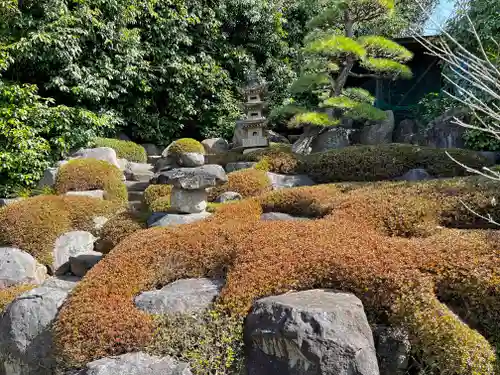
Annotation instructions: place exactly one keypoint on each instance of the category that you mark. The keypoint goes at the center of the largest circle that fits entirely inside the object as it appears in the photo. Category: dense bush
(10, 294)
(124, 149)
(92, 174)
(211, 342)
(157, 197)
(248, 182)
(34, 133)
(116, 229)
(34, 224)
(383, 162)
(396, 271)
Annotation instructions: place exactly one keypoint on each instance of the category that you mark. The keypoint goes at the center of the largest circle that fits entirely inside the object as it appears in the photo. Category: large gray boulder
(378, 133)
(182, 296)
(26, 343)
(135, 364)
(215, 145)
(314, 332)
(417, 174)
(68, 245)
(188, 201)
(99, 153)
(19, 267)
(320, 139)
(236, 166)
(274, 137)
(281, 181)
(138, 171)
(406, 132)
(160, 219)
(191, 159)
(49, 178)
(193, 178)
(442, 132)
(393, 350)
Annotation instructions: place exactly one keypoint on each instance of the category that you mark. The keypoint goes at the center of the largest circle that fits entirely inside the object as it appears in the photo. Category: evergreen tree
(332, 50)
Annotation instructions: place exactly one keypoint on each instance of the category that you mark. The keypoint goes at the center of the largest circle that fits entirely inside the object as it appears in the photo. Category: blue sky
(441, 14)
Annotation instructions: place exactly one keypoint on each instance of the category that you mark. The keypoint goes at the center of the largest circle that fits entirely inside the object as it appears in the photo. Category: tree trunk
(349, 64)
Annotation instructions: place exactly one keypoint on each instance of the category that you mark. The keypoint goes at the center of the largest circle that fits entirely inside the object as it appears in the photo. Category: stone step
(136, 205)
(136, 196)
(141, 177)
(152, 159)
(136, 185)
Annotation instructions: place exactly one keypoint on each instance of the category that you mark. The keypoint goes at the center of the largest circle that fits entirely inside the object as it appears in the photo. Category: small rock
(82, 263)
(99, 153)
(99, 222)
(231, 167)
(168, 220)
(188, 201)
(393, 350)
(228, 196)
(193, 178)
(61, 282)
(417, 174)
(279, 216)
(151, 149)
(60, 163)
(123, 137)
(316, 332)
(97, 194)
(135, 364)
(7, 201)
(68, 245)
(26, 345)
(138, 171)
(191, 159)
(182, 296)
(215, 145)
(280, 181)
(49, 178)
(123, 164)
(19, 267)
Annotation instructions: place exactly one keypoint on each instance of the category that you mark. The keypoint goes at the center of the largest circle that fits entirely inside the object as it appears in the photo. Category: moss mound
(10, 294)
(356, 244)
(157, 197)
(117, 228)
(247, 182)
(124, 149)
(92, 174)
(34, 224)
(184, 145)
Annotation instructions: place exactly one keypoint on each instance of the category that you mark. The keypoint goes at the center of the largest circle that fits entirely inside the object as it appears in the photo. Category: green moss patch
(124, 149)
(184, 145)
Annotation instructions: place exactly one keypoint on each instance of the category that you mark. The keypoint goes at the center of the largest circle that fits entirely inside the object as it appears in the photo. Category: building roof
(248, 124)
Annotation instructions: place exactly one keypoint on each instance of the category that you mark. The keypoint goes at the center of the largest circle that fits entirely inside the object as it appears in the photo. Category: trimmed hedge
(34, 224)
(124, 149)
(356, 244)
(10, 294)
(184, 145)
(92, 174)
(248, 182)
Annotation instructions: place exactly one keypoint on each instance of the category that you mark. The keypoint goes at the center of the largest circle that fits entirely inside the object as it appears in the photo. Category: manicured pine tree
(332, 49)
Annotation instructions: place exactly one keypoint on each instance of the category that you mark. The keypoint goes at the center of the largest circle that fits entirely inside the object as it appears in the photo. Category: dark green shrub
(124, 149)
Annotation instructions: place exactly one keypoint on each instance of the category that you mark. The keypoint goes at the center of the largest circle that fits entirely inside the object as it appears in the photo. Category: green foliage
(124, 149)
(480, 140)
(212, 343)
(34, 133)
(432, 106)
(330, 53)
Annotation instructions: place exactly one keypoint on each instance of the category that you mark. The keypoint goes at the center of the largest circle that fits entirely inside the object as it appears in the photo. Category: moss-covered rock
(185, 145)
(91, 174)
(124, 149)
(157, 197)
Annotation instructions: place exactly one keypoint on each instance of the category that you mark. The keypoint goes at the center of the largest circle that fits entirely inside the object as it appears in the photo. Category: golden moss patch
(118, 228)
(124, 149)
(34, 224)
(356, 244)
(157, 197)
(248, 182)
(10, 294)
(91, 174)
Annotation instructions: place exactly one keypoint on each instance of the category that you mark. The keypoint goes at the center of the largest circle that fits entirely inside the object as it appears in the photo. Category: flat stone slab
(182, 296)
(193, 178)
(281, 181)
(135, 364)
(97, 194)
(228, 196)
(168, 220)
(231, 167)
(279, 216)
